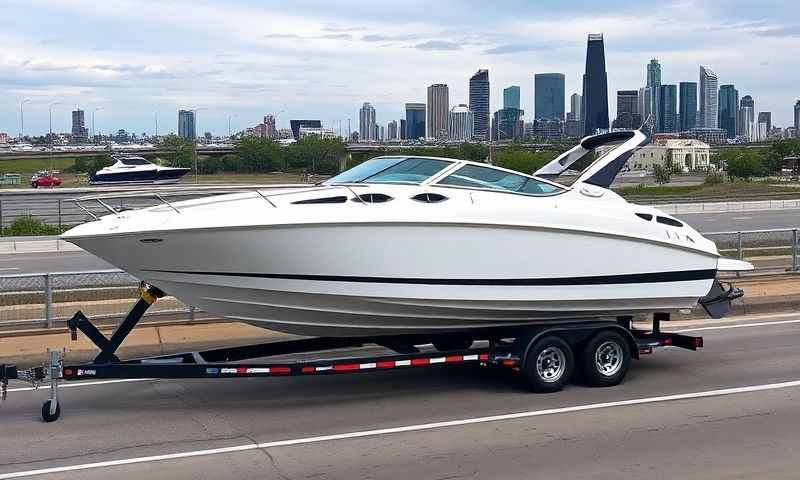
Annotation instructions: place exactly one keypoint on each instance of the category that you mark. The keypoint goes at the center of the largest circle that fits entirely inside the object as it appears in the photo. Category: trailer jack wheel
(50, 414)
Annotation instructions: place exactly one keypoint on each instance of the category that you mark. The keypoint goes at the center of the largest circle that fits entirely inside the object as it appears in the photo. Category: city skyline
(313, 65)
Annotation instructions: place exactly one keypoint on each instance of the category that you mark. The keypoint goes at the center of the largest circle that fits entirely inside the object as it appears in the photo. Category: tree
(745, 165)
(663, 174)
(779, 150)
(178, 152)
(521, 160)
(317, 154)
(260, 155)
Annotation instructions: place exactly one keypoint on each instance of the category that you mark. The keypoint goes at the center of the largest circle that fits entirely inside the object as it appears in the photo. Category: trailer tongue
(544, 356)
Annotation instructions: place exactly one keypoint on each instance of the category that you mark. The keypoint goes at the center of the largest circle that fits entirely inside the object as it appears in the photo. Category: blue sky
(322, 59)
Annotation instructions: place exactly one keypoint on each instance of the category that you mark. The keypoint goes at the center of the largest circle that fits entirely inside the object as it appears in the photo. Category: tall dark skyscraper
(688, 105)
(79, 132)
(797, 119)
(595, 86)
(728, 109)
(415, 121)
(667, 109)
(403, 129)
(549, 93)
(479, 103)
(628, 110)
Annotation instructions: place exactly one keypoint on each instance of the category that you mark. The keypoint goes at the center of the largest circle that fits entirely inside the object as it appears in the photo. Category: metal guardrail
(49, 299)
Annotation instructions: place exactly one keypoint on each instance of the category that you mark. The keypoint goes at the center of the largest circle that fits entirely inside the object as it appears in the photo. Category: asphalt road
(271, 428)
(736, 221)
(77, 261)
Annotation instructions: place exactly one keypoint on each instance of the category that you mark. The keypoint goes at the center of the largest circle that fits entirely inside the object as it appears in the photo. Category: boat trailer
(505, 347)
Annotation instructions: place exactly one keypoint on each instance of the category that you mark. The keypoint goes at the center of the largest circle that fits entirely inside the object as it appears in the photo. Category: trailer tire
(46, 415)
(452, 342)
(605, 359)
(548, 365)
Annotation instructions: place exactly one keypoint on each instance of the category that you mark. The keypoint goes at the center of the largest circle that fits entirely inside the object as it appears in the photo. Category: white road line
(405, 429)
(9, 268)
(740, 325)
(81, 384)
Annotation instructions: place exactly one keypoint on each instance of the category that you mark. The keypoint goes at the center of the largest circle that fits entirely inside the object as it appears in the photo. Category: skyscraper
(415, 121)
(508, 124)
(653, 82)
(366, 123)
(797, 119)
(575, 105)
(595, 86)
(186, 124)
(688, 106)
(646, 104)
(296, 125)
(270, 130)
(462, 122)
(728, 109)
(479, 103)
(438, 110)
(549, 96)
(709, 107)
(511, 97)
(391, 130)
(79, 132)
(667, 109)
(746, 124)
(764, 125)
(403, 129)
(628, 110)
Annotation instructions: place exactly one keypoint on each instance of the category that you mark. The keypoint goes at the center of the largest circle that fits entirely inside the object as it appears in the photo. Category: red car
(45, 179)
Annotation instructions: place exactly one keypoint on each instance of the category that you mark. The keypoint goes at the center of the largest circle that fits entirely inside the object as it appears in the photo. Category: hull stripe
(656, 277)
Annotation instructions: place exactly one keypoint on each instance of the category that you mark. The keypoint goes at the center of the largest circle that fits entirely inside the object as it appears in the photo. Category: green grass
(33, 165)
(27, 225)
(738, 188)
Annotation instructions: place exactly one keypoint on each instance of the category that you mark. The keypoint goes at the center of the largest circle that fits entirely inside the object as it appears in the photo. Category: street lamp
(22, 119)
(50, 108)
(94, 133)
(229, 124)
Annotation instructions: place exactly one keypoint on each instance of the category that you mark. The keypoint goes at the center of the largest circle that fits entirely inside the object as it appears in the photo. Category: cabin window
(372, 198)
(407, 170)
(645, 216)
(310, 201)
(669, 221)
(473, 176)
(429, 198)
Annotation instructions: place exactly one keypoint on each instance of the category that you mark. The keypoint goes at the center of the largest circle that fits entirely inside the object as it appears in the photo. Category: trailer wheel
(46, 415)
(548, 365)
(605, 359)
(452, 342)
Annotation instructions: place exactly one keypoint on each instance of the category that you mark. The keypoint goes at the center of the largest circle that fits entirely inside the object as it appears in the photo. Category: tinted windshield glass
(474, 176)
(134, 161)
(391, 170)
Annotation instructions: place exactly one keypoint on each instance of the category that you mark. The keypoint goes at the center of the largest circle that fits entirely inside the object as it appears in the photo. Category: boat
(133, 169)
(415, 244)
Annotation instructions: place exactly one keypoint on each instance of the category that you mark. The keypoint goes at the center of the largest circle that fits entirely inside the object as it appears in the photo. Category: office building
(270, 130)
(653, 84)
(508, 124)
(415, 121)
(438, 111)
(763, 125)
(667, 109)
(797, 119)
(79, 132)
(728, 109)
(391, 131)
(366, 123)
(511, 97)
(461, 123)
(186, 124)
(709, 107)
(746, 125)
(628, 116)
(548, 129)
(479, 103)
(687, 113)
(575, 106)
(549, 95)
(646, 97)
(403, 129)
(296, 125)
(713, 136)
(595, 86)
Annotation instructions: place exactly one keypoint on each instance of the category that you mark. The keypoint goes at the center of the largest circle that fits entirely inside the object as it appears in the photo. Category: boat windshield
(134, 161)
(410, 170)
(474, 176)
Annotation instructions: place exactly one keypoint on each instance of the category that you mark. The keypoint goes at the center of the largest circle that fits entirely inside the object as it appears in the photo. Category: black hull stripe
(657, 277)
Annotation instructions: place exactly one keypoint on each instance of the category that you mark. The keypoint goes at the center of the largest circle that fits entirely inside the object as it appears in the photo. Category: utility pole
(348, 131)
(22, 119)
(156, 134)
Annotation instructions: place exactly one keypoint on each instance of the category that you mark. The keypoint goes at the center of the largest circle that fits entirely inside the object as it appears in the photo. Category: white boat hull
(390, 278)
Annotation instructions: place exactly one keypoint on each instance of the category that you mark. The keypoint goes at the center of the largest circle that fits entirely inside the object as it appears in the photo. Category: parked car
(45, 179)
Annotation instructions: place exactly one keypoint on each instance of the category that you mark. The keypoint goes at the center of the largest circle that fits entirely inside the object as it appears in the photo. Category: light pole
(229, 124)
(94, 132)
(50, 108)
(156, 134)
(22, 119)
